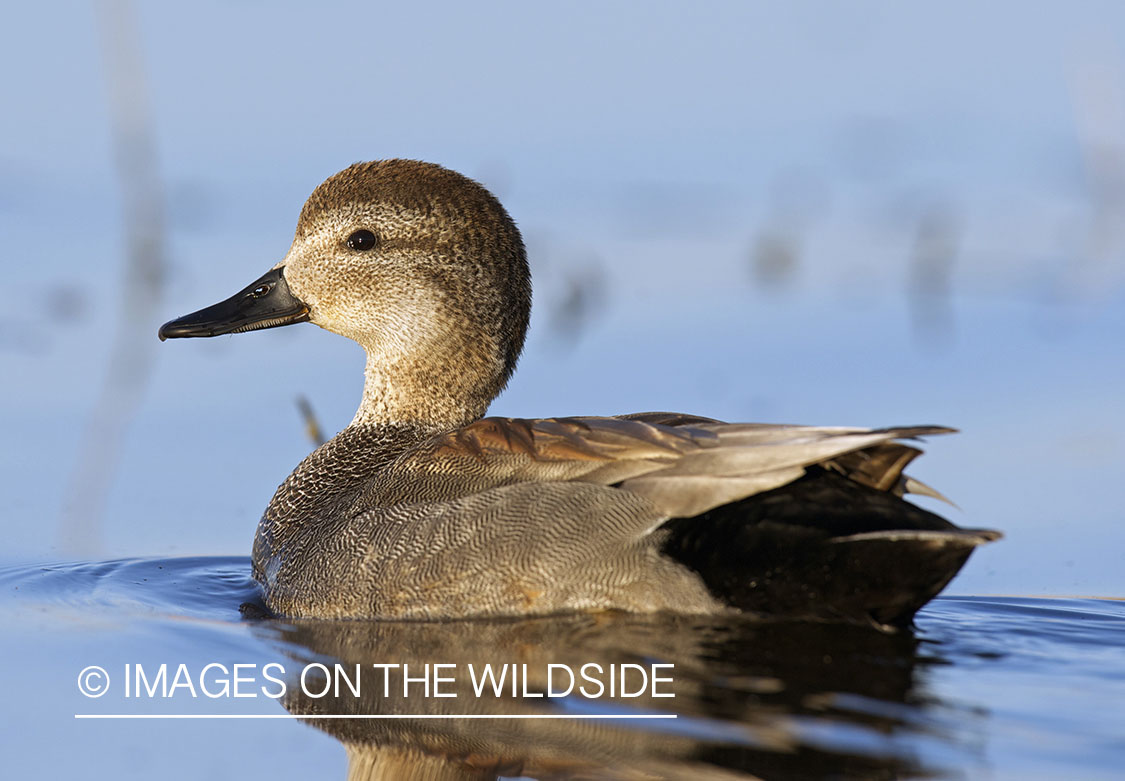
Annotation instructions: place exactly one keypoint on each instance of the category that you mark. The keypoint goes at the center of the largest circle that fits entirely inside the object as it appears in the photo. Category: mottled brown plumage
(442, 302)
(419, 509)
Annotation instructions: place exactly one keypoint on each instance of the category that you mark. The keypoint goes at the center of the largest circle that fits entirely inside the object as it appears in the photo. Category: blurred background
(810, 212)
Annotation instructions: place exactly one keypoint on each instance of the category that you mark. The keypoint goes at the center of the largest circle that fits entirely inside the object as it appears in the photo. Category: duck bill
(264, 303)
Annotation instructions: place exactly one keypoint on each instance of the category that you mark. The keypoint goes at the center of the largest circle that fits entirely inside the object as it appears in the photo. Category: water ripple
(1014, 686)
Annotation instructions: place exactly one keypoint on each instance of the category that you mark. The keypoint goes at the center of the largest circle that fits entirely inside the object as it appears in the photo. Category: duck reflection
(751, 699)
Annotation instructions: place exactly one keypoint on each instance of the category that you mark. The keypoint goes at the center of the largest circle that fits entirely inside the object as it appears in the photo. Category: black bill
(264, 303)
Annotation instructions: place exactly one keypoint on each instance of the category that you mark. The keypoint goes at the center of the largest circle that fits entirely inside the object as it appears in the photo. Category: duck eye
(361, 240)
(260, 290)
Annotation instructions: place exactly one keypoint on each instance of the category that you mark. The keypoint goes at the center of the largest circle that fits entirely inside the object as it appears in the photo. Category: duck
(424, 508)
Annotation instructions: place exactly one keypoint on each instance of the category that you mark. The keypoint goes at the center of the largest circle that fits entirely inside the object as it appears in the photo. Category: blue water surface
(824, 213)
(961, 695)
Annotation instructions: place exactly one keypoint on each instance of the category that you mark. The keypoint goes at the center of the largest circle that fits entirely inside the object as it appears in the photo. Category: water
(996, 687)
(758, 194)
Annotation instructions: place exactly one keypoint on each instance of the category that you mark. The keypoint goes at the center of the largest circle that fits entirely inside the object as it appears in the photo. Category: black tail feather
(824, 547)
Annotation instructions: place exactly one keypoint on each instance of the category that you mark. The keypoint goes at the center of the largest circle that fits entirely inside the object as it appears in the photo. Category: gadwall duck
(421, 508)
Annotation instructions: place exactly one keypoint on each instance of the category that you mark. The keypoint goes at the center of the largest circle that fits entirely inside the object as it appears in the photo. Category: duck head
(418, 264)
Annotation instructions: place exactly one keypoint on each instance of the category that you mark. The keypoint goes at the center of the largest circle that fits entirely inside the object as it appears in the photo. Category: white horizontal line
(375, 716)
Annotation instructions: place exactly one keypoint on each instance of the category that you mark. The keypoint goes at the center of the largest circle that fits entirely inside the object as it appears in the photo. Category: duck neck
(431, 395)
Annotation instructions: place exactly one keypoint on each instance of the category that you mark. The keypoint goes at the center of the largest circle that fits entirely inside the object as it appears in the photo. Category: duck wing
(643, 513)
(685, 465)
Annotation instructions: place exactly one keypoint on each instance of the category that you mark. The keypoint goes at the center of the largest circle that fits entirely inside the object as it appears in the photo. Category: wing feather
(684, 465)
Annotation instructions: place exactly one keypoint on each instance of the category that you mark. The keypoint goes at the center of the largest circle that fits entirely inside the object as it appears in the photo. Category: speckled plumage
(442, 302)
(419, 509)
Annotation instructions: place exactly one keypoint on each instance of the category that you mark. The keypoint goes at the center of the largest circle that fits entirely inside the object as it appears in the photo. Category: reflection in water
(1012, 687)
(752, 699)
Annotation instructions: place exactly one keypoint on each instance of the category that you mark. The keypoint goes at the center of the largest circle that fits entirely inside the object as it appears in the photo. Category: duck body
(423, 509)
